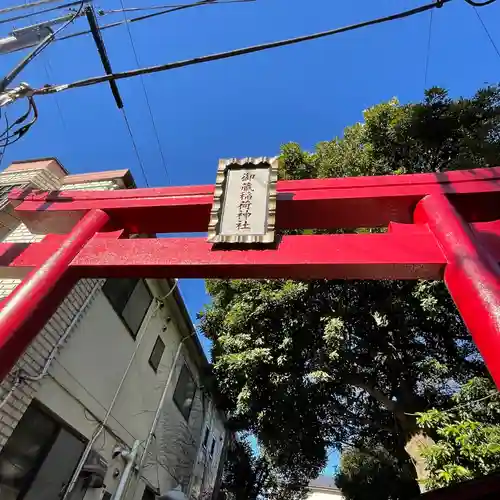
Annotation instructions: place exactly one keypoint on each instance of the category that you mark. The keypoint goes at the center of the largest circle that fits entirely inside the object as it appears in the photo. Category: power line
(463, 405)
(428, 54)
(156, 7)
(27, 6)
(160, 149)
(234, 53)
(155, 14)
(494, 45)
(135, 147)
(38, 12)
(46, 62)
(2, 154)
(5, 137)
(479, 4)
(37, 50)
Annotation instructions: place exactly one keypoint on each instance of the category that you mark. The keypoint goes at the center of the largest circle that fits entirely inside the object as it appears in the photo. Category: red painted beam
(318, 203)
(299, 257)
(373, 256)
(472, 275)
(34, 301)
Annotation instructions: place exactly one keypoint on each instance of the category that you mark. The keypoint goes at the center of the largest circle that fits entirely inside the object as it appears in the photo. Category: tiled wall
(15, 397)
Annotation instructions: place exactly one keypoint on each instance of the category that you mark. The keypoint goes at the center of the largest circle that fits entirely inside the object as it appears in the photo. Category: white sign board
(244, 201)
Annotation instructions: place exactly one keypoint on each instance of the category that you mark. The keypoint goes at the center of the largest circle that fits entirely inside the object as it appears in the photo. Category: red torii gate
(443, 225)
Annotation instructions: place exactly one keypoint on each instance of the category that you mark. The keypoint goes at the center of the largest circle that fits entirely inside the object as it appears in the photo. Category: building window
(148, 494)
(212, 448)
(156, 354)
(39, 457)
(184, 392)
(205, 438)
(130, 298)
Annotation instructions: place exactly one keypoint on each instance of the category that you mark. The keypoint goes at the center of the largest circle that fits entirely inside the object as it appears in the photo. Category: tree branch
(389, 404)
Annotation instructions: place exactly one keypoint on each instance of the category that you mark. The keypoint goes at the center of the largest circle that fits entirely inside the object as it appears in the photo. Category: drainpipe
(130, 457)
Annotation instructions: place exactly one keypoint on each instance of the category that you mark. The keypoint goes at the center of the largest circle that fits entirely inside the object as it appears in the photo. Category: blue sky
(250, 105)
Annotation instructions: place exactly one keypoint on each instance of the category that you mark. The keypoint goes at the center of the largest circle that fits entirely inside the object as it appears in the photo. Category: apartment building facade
(323, 488)
(109, 401)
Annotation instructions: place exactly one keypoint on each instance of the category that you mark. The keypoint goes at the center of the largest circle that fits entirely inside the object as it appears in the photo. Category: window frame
(205, 437)
(195, 389)
(149, 491)
(158, 341)
(212, 447)
(120, 313)
(59, 424)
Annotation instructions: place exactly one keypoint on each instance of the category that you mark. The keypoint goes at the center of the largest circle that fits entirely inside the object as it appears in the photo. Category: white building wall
(87, 370)
(325, 495)
(16, 396)
(90, 368)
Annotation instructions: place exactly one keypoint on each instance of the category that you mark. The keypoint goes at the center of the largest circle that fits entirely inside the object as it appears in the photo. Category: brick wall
(16, 393)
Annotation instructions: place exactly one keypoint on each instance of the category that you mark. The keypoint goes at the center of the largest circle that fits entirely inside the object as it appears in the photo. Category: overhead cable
(480, 4)
(488, 34)
(146, 97)
(134, 145)
(428, 52)
(157, 7)
(50, 89)
(2, 154)
(27, 5)
(38, 12)
(9, 137)
(37, 50)
(149, 16)
(46, 59)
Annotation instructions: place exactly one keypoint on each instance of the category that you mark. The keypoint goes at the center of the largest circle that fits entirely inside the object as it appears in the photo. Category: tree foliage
(310, 365)
(252, 476)
(375, 475)
(468, 443)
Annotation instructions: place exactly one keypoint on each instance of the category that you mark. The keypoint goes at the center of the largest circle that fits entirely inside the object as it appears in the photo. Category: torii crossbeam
(440, 226)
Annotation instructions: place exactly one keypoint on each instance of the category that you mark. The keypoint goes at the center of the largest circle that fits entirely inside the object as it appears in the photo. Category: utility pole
(26, 6)
(27, 39)
(30, 36)
(101, 49)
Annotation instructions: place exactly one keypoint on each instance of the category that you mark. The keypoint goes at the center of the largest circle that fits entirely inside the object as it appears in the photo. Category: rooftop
(324, 483)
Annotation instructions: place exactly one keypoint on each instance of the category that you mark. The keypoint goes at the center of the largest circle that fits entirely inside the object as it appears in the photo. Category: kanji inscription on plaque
(244, 201)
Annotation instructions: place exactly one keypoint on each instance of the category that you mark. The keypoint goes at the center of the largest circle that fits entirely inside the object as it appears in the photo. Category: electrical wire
(27, 6)
(104, 421)
(488, 34)
(135, 147)
(46, 62)
(149, 16)
(48, 71)
(428, 54)
(5, 137)
(37, 50)
(238, 52)
(463, 405)
(480, 4)
(156, 7)
(2, 154)
(13, 387)
(146, 97)
(38, 12)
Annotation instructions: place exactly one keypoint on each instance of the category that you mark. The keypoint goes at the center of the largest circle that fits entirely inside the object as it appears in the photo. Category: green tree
(252, 476)
(468, 435)
(374, 475)
(310, 365)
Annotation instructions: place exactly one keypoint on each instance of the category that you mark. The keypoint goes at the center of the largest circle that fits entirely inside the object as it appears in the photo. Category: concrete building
(109, 400)
(323, 488)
